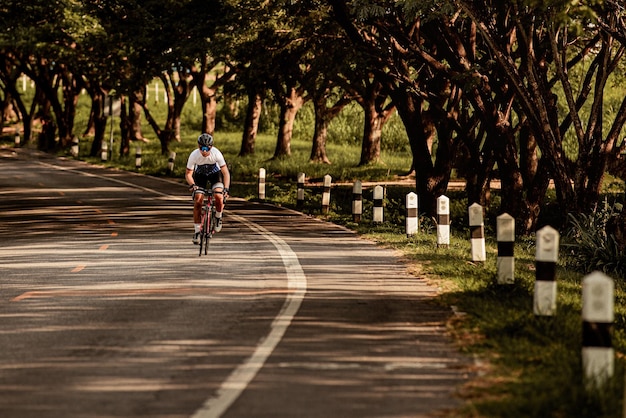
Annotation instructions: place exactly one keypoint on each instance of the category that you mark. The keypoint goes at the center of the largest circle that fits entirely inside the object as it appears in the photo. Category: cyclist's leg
(197, 206)
(218, 187)
(198, 198)
(198, 201)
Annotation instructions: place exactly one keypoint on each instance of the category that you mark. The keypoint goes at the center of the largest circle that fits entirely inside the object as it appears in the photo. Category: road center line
(78, 268)
(241, 377)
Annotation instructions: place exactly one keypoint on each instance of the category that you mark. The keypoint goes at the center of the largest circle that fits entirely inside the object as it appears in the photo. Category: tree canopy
(521, 91)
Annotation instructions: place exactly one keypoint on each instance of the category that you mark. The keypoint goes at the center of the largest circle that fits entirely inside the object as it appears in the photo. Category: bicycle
(207, 224)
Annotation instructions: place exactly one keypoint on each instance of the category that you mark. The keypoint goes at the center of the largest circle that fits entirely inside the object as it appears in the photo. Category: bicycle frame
(207, 224)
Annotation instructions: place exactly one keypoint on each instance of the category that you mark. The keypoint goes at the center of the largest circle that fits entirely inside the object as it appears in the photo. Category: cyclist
(206, 165)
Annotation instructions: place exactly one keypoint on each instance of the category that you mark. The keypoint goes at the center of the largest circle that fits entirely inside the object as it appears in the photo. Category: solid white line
(241, 377)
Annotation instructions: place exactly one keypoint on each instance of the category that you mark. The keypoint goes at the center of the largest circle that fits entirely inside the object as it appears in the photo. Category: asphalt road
(106, 310)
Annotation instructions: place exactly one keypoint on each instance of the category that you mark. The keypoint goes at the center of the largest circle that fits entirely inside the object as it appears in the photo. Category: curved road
(106, 310)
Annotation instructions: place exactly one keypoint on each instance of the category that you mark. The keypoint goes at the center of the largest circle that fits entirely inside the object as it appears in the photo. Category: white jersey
(210, 164)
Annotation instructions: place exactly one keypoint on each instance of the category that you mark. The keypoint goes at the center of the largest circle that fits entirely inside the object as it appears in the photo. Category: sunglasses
(205, 149)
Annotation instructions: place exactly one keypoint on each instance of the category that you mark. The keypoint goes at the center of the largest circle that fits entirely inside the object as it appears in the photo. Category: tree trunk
(100, 126)
(322, 119)
(71, 88)
(134, 118)
(420, 130)
(376, 115)
(536, 180)
(209, 109)
(98, 98)
(9, 115)
(251, 125)
(125, 131)
(176, 95)
(208, 95)
(323, 115)
(41, 106)
(510, 179)
(26, 117)
(48, 83)
(318, 149)
(181, 91)
(289, 107)
(167, 134)
(372, 133)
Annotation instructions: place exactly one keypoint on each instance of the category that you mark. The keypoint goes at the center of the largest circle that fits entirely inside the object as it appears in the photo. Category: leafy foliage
(589, 246)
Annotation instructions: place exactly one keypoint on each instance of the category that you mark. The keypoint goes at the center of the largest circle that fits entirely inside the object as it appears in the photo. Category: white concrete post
(379, 192)
(443, 221)
(597, 352)
(411, 214)
(261, 184)
(546, 257)
(156, 92)
(74, 148)
(505, 264)
(170, 162)
(18, 141)
(104, 151)
(138, 157)
(300, 191)
(477, 232)
(326, 193)
(357, 201)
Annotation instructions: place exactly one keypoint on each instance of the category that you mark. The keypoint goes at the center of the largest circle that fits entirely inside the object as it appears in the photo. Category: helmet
(205, 140)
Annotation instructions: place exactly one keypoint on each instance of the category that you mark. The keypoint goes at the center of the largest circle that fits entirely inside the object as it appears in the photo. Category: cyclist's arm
(189, 177)
(225, 176)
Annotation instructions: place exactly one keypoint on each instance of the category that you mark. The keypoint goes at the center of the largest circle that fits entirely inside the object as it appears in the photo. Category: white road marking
(241, 377)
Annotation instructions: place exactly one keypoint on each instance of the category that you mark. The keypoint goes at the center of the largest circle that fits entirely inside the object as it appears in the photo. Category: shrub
(588, 246)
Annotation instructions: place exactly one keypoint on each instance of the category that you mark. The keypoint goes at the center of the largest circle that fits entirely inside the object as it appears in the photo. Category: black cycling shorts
(207, 181)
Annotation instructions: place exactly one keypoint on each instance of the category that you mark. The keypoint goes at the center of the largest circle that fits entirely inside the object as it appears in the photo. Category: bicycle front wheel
(212, 222)
(208, 230)
(204, 227)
